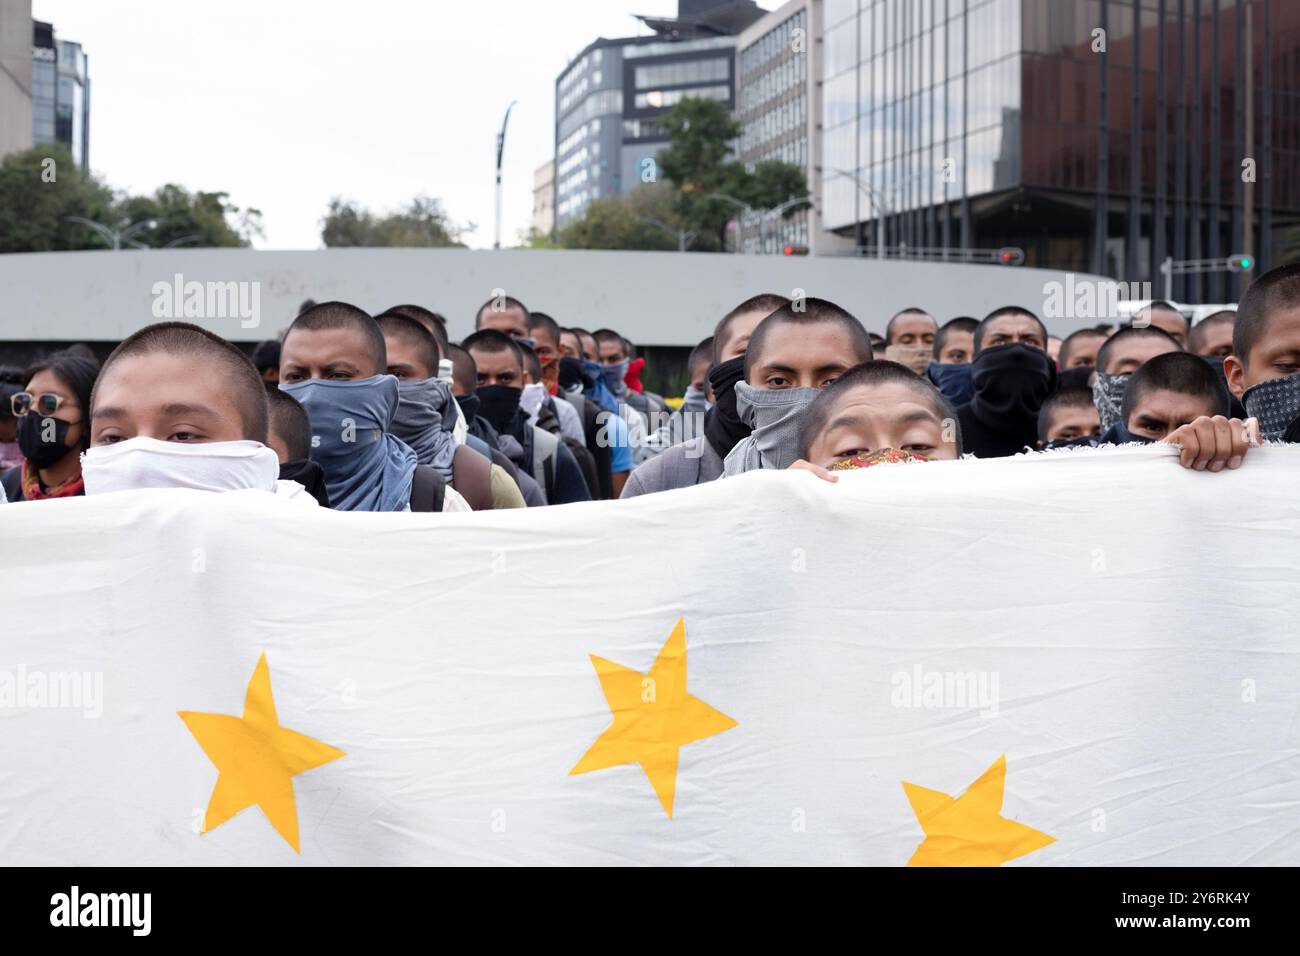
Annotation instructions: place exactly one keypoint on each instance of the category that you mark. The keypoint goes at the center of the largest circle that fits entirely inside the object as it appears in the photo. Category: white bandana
(150, 463)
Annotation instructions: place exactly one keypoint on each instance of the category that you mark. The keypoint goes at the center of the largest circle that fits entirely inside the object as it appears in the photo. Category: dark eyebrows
(181, 408)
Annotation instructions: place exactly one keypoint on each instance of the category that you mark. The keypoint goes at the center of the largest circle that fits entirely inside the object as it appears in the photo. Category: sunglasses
(45, 405)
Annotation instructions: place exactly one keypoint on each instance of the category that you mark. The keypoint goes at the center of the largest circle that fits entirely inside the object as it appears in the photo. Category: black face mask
(1086, 442)
(1011, 383)
(723, 428)
(41, 453)
(1073, 378)
(470, 405)
(500, 405)
(308, 474)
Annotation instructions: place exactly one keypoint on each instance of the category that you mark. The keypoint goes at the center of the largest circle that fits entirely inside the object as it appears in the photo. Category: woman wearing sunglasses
(52, 413)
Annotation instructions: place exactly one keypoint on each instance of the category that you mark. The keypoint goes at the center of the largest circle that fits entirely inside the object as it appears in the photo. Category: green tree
(200, 219)
(646, 219)
(699, 162)
(37, 196)
(421, 224)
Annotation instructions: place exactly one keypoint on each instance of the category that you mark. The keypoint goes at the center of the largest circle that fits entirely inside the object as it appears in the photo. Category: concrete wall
(654, 298)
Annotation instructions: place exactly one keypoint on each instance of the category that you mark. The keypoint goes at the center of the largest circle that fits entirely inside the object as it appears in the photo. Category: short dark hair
(267, 356)
(493, 341)
(1275, 290)
(507, 302)
(342, 315)
(1074, 338)
(415, 334)
(540, 320)
(1196, 337)
(814, 312)
(701, 354)
(11, 383)
(247, 390)
(432, 321)
(1180, 372)
(464, 370)
(910, 310)
(1065, 398)
(767, 302)
(1123, 335)
(78, 373)
(877, 372)
(963, 323)
(997, 314)
(532, 364)
(289, 422)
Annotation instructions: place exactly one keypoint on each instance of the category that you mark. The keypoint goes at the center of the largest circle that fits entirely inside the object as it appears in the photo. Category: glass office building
(773, 106)
(60, 93)
(608, 99)
(1098, 135)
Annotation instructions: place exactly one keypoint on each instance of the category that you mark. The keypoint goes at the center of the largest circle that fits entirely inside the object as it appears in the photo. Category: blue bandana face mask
(366, 469)
(1276, 403)
(614, 375)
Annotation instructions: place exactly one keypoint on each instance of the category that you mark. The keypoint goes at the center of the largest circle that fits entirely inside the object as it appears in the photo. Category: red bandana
(886, 456)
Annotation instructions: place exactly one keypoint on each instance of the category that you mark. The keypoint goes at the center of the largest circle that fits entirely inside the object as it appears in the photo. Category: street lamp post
(743, 207)
(116, 237)
(881, 207)
(501, 146)
(684, 237)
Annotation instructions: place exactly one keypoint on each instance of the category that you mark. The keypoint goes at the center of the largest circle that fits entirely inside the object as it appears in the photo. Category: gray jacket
(692, 462)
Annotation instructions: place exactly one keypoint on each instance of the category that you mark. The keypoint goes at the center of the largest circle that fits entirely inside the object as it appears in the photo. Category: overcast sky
(285, 104)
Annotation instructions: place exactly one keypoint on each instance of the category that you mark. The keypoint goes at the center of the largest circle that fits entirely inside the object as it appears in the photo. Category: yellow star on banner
(970, 830)
(654, 717)
(256, 759)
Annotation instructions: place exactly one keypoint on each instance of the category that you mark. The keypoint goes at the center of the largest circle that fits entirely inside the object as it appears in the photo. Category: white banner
(1088, 658)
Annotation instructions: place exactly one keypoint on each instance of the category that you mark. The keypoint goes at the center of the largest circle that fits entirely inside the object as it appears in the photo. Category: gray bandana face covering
(1276, 403)
(775, 414)
(1108, 396)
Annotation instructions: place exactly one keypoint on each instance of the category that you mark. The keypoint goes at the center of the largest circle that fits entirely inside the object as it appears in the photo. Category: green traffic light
(1245, 262)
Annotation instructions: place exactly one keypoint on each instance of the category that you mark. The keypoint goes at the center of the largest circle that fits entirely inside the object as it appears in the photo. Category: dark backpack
(428, 490)
(589, 414)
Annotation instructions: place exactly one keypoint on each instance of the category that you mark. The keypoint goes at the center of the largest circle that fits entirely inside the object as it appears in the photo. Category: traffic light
(795, 251)
(1011, 256)
(1240, 263)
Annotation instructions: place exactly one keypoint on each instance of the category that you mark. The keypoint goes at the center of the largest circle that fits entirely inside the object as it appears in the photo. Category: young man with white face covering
(793, 354)
(178, 407)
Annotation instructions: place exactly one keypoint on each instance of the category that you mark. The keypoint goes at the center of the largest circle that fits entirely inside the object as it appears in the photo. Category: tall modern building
(1098, 135)
(778, 104)
(60, 93)
(544, 199)
(15, 76)
(608, 99)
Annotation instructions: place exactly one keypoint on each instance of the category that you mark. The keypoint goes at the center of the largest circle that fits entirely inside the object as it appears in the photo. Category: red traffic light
(1011, 256)
(795, 251)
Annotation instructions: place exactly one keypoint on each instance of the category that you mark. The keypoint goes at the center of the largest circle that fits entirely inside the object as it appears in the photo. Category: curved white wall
(654, 298)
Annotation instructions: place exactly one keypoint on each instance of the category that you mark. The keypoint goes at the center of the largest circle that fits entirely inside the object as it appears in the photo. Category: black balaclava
(1073, 378)
(722, 425)
(1011, 383)
(500, 406)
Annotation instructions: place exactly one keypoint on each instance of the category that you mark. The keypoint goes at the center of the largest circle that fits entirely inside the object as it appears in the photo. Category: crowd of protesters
(383, 412)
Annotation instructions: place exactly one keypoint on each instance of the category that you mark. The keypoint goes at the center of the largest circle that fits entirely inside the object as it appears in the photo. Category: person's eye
(290, 377)
(777, 381)
(918, 448)
(830, 381)
(851, 453)
(184, 437)
(107, 439)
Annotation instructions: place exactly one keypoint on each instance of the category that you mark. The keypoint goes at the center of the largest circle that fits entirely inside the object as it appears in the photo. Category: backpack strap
(544, 448)
(472, 477)
(428, 490)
